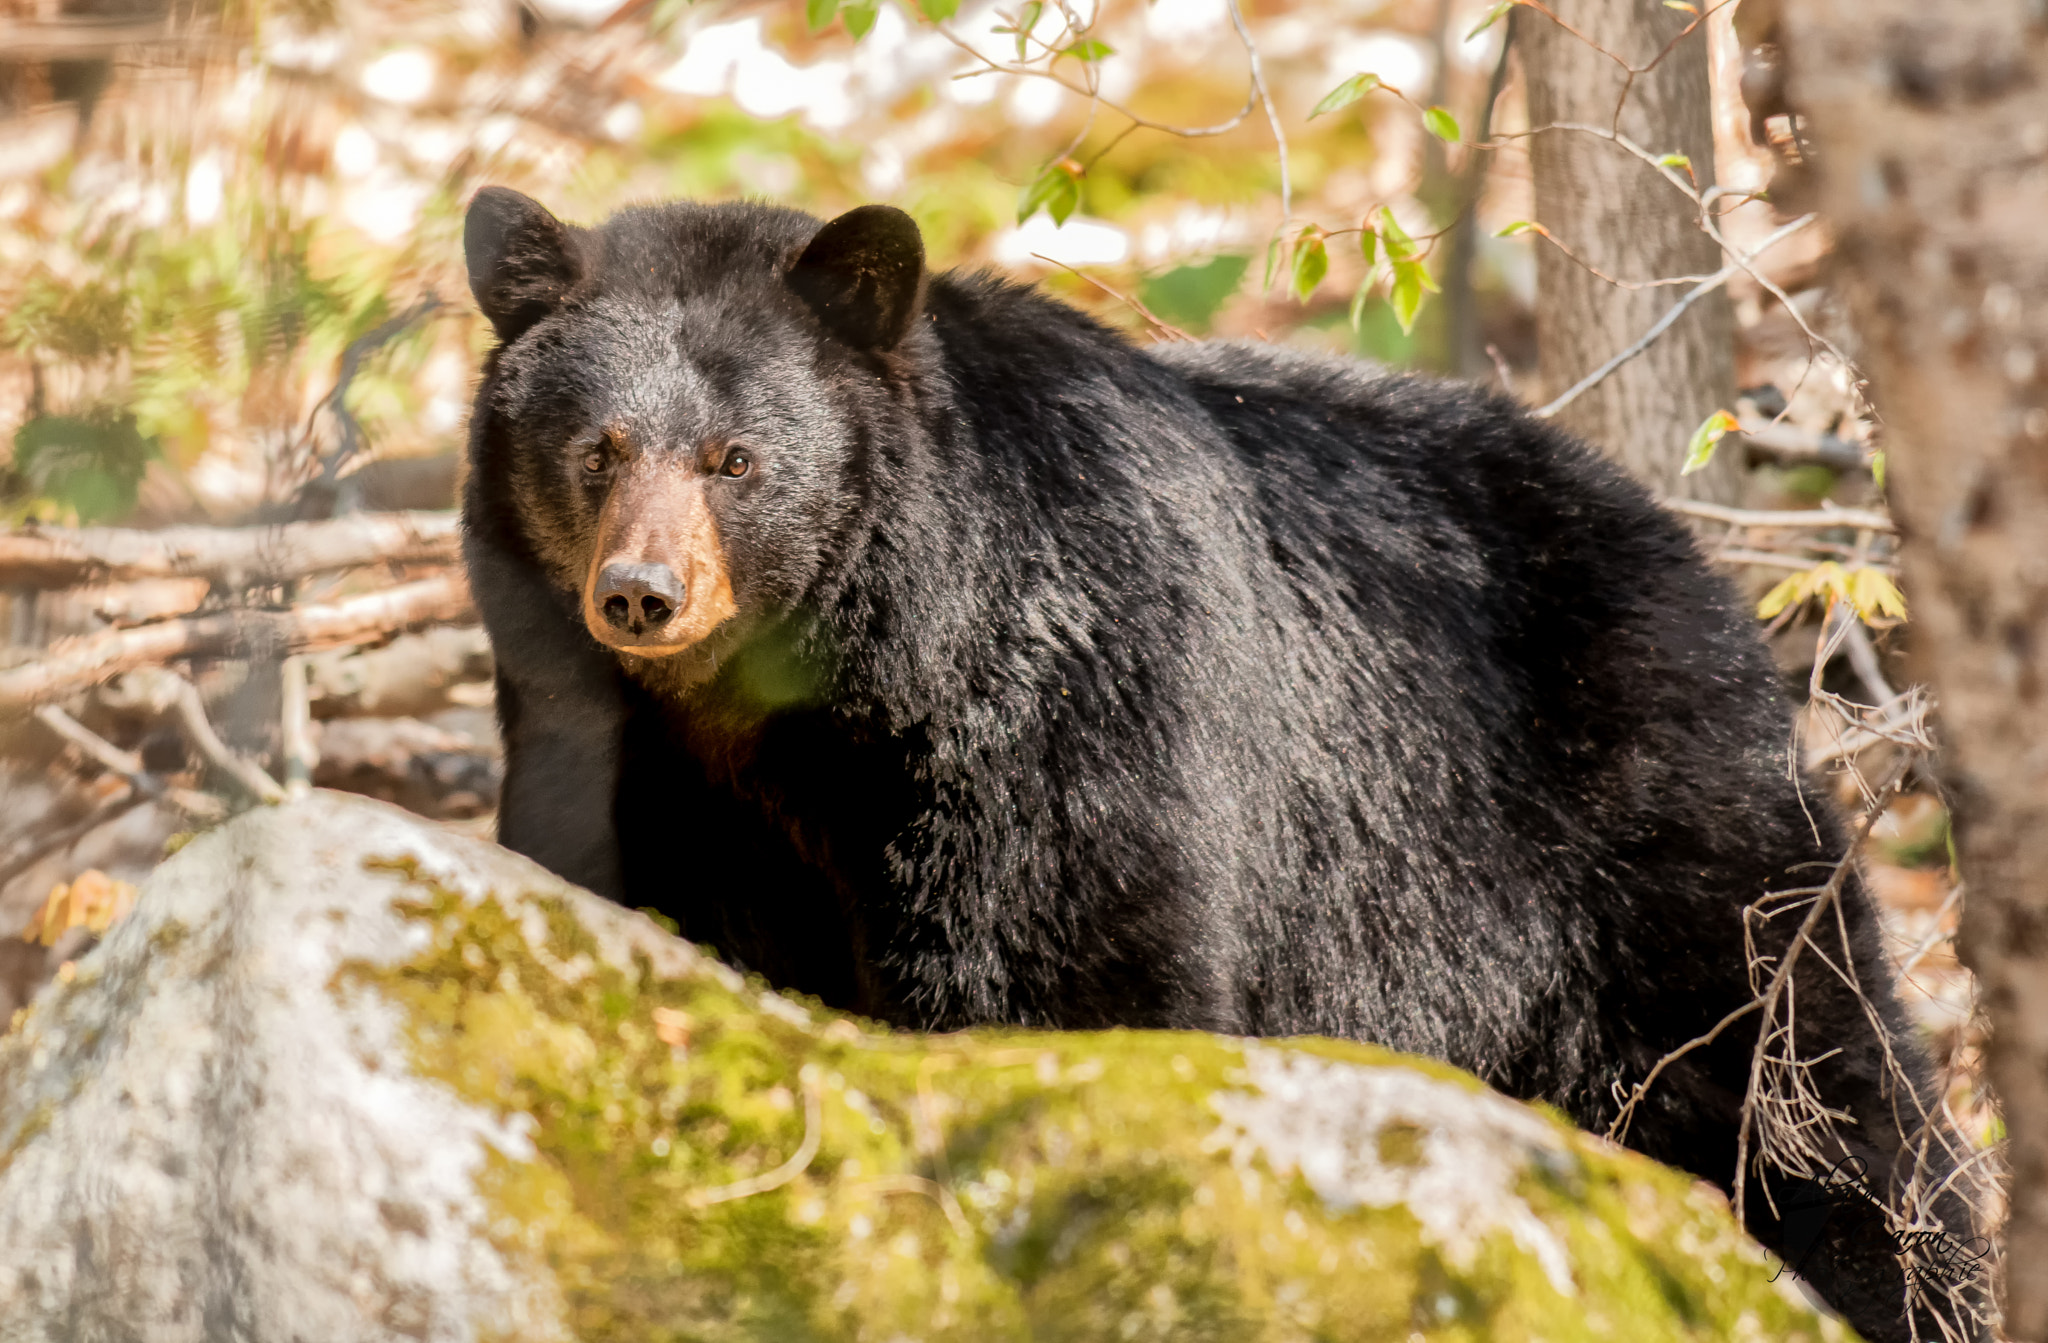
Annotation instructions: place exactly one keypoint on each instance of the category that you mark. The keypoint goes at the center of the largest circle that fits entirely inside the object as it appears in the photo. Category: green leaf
(1877, 468)
(1520, 226)
(1872, 592)
(1442, 125)
(1088, 49)
(1492, 17)
(1793, 589)
(1190, 296)
(1311, 263)
(1701, 450)
(818, 13)
(1400, 247)
(1411, 279)
(859, 17)
(1681, 6)
(1272, 261)
(1057, 191)
(1347, 93)
(938, 11)
(1368, 247)
(89, 466)
(1678, 161)
(1027, 19)
(1358, 301)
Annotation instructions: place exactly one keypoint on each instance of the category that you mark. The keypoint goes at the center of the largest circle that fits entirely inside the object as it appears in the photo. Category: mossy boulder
(346, 1076)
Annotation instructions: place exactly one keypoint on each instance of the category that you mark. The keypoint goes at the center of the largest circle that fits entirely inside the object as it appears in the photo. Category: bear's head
(682, 398)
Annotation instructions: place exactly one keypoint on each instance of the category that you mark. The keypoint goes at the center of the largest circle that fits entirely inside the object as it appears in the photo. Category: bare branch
(300, 755)
(1823, 901)
(1167, 330)
(1618, 1130)
(353, 439)
(1775, 559)
(1251, 50)
(192, 722)
(76, 664)
(35, 848)
(122, 764)
(1671, 314)
(991, 66)
(1865, 518)
(1786, 443)
(232, 557)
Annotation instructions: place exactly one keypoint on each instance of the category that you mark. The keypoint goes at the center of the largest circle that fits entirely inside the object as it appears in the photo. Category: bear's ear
(863, 275)
(522, 260)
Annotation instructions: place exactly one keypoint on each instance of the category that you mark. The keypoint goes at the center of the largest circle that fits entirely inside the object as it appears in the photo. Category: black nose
(638, 597)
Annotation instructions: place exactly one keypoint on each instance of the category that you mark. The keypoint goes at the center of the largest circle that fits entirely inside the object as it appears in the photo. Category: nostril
(636, 598)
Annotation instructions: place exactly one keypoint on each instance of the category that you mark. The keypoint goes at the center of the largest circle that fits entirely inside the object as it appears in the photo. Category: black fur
(1078, 685)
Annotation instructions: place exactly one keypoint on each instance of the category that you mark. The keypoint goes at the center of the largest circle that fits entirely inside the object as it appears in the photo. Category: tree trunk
(1929, 125)
(1618, 215)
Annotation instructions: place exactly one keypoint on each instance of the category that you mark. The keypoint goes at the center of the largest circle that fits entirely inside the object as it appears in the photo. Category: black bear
(924, 645)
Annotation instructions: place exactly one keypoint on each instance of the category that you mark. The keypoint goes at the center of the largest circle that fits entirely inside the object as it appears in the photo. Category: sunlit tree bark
(1620, 217)
(1929, 126)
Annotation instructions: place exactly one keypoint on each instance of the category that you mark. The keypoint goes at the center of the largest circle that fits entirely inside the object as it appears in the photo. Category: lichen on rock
(344, 1075)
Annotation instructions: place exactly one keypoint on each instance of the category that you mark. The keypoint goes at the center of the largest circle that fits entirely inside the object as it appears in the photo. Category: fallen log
(228, 557)
(346, 1075)
(78, 664)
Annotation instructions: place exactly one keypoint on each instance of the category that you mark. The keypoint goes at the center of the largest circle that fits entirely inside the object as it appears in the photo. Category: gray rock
(347, 1076)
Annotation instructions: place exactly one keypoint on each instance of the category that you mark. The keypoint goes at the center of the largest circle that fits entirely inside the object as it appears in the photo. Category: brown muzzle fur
(657, 550)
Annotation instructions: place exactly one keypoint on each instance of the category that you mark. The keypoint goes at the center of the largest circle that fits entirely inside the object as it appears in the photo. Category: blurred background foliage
(204, 203)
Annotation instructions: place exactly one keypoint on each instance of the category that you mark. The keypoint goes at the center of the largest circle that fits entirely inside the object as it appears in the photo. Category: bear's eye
(594, 462)
(736, 464)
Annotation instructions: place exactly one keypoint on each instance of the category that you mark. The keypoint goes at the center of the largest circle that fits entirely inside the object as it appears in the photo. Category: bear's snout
(656, 581)
(638, 598)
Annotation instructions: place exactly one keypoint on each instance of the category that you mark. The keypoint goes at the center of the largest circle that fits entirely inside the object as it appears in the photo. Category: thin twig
(1671, 315)
(1935, 937)
(1863, 657)
(336, 400)
(1903, 722)
(1787, 443)
(38, 847)
(1251, 50)
(123, 764)
(799, 1161)
(1168, 329)
(1776, 559)
(1789, 517)
(1618, 1130)
(1823, 900)
(992, 66)
(198, 731)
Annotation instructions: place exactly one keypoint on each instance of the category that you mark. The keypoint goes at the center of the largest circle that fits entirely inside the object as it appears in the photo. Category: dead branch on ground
(79, 664)
(228, 557)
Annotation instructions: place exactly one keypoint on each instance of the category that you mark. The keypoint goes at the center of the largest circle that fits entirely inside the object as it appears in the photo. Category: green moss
(31, 1129)
(1003, 1185)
